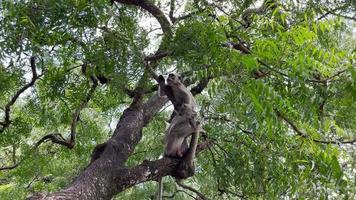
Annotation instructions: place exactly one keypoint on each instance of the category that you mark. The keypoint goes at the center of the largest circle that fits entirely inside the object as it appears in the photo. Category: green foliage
(270, 131)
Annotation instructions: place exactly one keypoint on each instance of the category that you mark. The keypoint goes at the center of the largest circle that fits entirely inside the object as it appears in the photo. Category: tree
(80, 117)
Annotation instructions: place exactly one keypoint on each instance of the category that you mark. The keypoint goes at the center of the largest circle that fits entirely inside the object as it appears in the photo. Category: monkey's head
(174, 79)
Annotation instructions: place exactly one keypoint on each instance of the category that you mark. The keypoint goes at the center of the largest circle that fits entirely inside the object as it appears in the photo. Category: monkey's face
(173, 79)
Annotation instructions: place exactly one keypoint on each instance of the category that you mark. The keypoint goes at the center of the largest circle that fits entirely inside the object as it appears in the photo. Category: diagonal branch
(202, 197)
(152, 170)
(57, 138)
(9, 167)
(154, 10)
(325, 80)
(334, 10)
(35, 76)
(305, 135)
(200, 86)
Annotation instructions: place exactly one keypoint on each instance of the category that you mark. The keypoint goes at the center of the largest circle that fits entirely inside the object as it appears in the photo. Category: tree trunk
(107, 175)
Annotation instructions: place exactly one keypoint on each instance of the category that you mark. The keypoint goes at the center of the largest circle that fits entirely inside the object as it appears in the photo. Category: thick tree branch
(153, 170)
(107, 174)
(7, 120)
(152, 9)
(305, 135)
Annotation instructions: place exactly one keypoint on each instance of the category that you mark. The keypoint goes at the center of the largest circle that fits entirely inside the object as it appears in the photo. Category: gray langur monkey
(176, 92)
(183, 125)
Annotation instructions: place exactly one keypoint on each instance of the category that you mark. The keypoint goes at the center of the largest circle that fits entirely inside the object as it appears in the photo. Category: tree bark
(107, 175)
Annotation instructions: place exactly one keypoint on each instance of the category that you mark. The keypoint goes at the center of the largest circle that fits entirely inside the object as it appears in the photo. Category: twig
(200, 86)
(192, 190)
(328, 78)
(9, 167)
(305, 135)
(157, 56)
(332, 11)
(225, 191)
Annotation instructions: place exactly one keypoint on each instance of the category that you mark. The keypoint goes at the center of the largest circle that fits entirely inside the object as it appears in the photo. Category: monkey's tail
(160, 189)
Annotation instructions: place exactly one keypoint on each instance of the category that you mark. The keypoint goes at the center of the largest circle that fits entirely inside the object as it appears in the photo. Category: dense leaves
(280, 106)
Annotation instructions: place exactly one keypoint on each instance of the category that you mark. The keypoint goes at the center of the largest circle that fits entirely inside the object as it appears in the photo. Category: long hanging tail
(160, 189)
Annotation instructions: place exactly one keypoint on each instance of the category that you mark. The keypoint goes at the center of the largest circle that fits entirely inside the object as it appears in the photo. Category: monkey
(176, 92)
(182, 126)
(181, 94)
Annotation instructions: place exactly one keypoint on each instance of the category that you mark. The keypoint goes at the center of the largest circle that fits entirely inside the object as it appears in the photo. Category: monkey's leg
(173, 145)
(179, 143)
(186, 167)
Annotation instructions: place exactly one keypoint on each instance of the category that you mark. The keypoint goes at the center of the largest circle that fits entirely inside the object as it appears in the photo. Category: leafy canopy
(280, 115)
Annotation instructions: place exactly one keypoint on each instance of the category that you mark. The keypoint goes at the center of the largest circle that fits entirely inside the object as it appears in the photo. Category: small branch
(233, 18)
(240, 46)
(221, 148)
(200, 86)
(57, 138)
(157, 56)
(294, 127)
(304, 135)
(192, 190)
(272, 69)
(188, 15)
(344, 16)
(225, 191)
(7, 120)
(171, 11)
(328, 78)
(9, 167)
(333, 12)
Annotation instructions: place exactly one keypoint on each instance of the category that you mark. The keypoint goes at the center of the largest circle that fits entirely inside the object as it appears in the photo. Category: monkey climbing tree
(82, 115)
